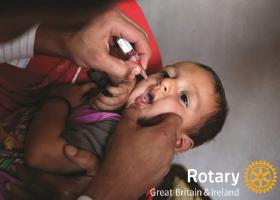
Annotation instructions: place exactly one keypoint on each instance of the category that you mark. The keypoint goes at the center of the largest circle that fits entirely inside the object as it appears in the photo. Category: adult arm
(137, 158)
(38, 184)
(89, 46)
(87, 42)
(44, 145)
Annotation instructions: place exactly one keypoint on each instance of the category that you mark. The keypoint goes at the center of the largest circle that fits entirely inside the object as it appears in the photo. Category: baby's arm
(44, 144)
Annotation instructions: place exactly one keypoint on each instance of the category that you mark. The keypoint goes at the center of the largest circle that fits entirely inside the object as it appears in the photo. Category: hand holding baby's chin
(147, 120)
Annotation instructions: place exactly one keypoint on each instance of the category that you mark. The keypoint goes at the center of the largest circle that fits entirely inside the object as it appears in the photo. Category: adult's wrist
(51, 41)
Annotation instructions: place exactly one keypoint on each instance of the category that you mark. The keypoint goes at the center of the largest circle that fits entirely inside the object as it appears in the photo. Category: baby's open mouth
(146, 98)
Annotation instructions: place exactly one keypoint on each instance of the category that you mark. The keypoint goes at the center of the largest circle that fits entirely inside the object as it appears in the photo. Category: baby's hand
(119, 97)
(73, 93)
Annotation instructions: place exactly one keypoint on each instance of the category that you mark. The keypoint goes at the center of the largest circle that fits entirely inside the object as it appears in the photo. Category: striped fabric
(18, 51)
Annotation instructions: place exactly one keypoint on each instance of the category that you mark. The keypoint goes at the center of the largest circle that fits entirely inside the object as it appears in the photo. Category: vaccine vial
(130, 54)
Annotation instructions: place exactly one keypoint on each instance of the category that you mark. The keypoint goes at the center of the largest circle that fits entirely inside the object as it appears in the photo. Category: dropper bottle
(130, 54)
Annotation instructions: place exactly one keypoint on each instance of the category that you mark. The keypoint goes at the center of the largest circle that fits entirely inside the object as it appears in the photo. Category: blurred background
(240, 40)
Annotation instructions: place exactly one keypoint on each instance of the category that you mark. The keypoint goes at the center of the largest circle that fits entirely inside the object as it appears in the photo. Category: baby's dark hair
(212, 123)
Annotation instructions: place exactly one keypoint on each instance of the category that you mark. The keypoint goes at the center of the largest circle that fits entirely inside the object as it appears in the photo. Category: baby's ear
(183, 143)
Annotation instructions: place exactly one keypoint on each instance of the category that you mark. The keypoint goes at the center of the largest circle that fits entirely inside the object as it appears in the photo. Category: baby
(191, 90)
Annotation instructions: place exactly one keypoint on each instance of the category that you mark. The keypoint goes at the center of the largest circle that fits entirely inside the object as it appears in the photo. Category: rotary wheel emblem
(260, 176)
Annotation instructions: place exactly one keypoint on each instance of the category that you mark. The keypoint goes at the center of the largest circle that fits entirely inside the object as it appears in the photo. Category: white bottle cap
(124, 45)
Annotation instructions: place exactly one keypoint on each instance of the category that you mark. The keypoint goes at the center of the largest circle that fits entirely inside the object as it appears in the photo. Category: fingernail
(135, 71)
(71, 150)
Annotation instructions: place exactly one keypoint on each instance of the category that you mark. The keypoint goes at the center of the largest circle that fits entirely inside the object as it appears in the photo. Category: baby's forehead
(191, 68)
(188, 66)
(198, 80)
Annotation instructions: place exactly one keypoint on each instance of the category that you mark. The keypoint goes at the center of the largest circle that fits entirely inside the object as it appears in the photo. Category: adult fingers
(102, 106)
(132, 22)
(130, 117)
(166, 130)
(16, 191)
(111, 101)
(84, 159)
(143, 49)
(120, 90)
(138, 38)
(116, 68)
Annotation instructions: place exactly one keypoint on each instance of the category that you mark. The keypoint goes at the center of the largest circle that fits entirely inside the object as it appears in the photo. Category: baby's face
(182, 88)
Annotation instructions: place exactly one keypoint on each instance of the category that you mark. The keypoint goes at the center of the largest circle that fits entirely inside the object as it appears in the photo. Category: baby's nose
(167, 85)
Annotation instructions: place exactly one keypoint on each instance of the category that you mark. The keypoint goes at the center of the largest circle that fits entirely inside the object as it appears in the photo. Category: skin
(130, 147)
(129, 135)
(90, 45)
(84, 38)
(16, 18)
(189, 93)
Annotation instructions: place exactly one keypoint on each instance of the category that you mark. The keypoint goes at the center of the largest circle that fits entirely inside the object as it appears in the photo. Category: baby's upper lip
(147, 97)
(153, 91)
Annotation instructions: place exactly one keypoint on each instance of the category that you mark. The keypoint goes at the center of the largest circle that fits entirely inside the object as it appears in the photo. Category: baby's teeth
(146, 99)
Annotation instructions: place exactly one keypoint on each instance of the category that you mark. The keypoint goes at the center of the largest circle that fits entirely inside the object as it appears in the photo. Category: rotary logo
(260, 176)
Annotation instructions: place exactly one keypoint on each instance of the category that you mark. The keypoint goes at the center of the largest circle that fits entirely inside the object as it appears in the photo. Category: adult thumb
(84, 159)
(167, 126)
(116, 68)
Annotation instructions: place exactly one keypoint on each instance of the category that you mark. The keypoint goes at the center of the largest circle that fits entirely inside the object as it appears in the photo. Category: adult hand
(136, 159)
(37, 184)
(73, 93)
(90, 45)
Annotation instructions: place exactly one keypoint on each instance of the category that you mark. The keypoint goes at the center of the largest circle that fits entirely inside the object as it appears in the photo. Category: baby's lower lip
(139, 103)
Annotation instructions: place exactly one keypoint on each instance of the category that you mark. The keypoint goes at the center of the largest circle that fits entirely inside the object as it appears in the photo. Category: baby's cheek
(162, 106)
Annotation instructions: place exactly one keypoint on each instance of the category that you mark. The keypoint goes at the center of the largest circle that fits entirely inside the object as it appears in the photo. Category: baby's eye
(185, 99)
(166, 74)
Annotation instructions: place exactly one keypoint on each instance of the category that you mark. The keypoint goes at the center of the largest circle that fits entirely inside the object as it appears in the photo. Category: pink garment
(86, 114)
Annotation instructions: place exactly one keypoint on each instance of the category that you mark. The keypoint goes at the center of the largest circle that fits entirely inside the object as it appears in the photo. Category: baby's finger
(120, 90)
(102, 106)
(112, 101)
